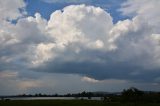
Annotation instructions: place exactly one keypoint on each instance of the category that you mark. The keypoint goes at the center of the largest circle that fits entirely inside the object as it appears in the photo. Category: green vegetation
(70, 103)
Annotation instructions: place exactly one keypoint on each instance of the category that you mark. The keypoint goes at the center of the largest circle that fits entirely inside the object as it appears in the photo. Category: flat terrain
(69, 103)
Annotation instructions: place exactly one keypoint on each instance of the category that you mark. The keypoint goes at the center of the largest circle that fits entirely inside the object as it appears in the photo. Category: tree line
(127, 95)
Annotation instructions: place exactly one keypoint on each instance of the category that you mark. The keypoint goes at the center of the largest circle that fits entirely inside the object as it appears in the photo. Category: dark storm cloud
(81, 40)
(109, 68)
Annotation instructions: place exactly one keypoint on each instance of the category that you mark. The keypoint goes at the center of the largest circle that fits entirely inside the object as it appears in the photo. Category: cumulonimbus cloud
(83, 40)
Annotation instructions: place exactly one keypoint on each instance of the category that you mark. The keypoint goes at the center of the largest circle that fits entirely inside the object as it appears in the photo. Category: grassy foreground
(69, 103)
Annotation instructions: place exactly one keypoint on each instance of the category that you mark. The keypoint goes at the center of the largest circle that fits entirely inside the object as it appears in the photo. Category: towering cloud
(81, 40)
(80, 24)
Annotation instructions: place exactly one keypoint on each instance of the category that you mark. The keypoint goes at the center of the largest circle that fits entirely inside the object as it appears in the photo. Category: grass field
(69, 103)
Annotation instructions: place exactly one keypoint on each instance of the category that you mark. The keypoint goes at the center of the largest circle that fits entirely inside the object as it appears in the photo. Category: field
(69, 103)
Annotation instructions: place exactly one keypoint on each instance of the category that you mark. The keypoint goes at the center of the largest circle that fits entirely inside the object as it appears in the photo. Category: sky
(70, 46)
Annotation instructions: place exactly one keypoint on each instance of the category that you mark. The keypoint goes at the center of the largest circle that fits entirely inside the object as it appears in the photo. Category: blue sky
(46, 8)
(70, 46)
